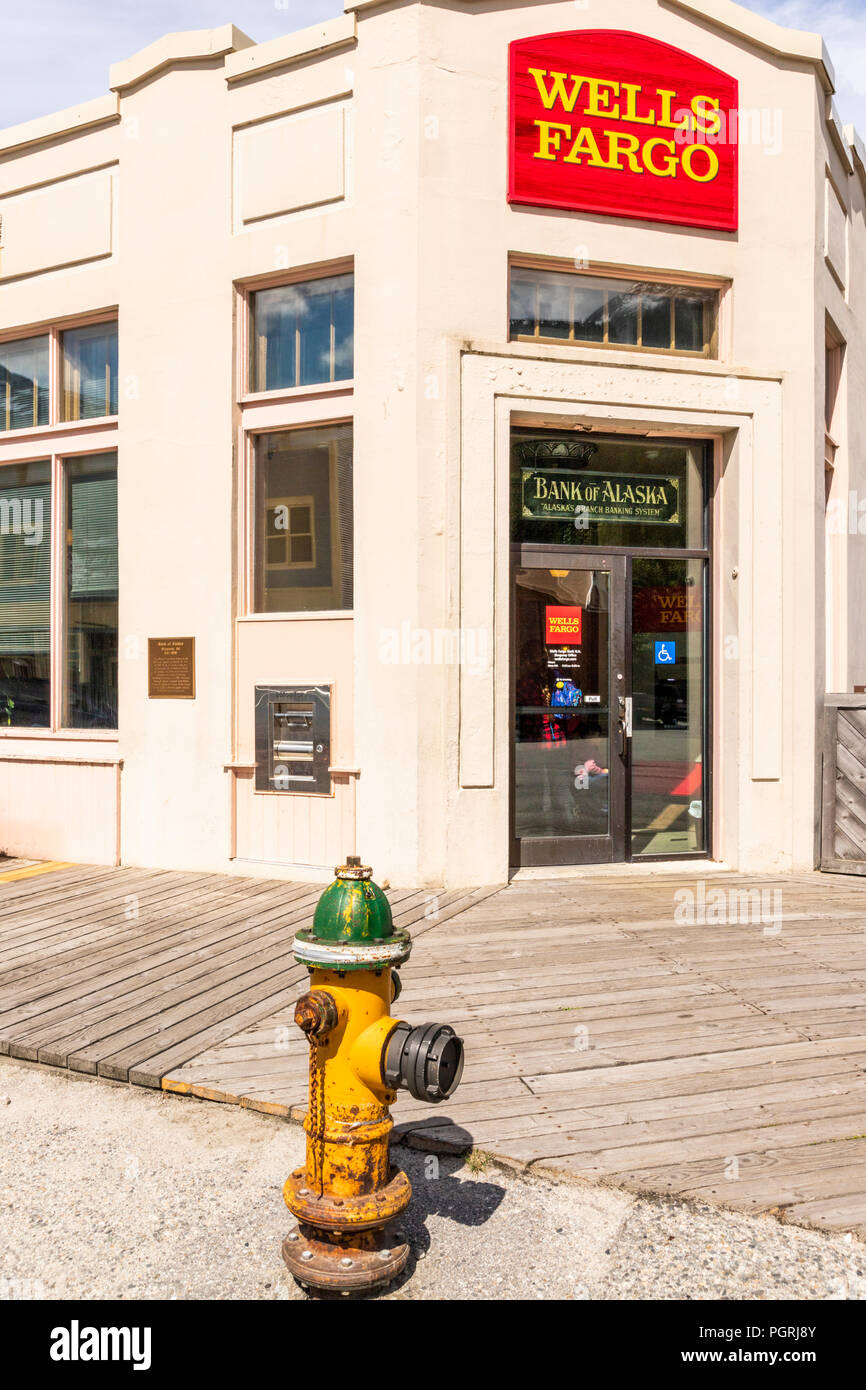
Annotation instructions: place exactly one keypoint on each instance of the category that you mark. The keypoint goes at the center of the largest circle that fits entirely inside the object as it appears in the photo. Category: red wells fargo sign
(610, 122)
(564, 626)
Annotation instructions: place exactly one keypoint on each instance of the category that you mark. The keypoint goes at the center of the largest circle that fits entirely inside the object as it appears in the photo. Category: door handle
(625, 724)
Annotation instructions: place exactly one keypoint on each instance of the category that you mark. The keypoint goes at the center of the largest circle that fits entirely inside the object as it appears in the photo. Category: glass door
(611, 683)
(570, 740)
(669, 802)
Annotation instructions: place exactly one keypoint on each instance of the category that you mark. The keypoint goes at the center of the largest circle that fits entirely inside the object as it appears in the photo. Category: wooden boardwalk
(129, 973)
(607, 1041)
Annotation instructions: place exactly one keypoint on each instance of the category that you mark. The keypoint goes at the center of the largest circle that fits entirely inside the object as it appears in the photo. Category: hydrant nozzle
(348, 1194)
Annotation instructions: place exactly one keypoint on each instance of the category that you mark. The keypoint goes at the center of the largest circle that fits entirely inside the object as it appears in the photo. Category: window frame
(322, 270)
(11, 339)
(57, 460)
(54, 330)
(64, 546)
(247, 586)
(62, 390)
(54, 443)
(713, 333)
(319, 406)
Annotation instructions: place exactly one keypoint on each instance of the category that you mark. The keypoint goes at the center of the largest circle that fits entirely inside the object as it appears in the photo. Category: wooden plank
(173, 935)
(75, 931)
(150, 1070)
(838, 1120)
(833, 1212)
(108, 1021)
(106, 913)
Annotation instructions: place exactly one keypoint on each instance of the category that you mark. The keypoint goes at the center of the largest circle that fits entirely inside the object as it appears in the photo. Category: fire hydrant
(348, 1194)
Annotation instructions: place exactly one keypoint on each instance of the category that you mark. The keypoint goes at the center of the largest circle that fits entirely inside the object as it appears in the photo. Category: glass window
(302, 334)
(303, 510)
(24, 383)
(90, 692)
(667, 754)
(524, 311)
(25, 594)
(690, 330)
(589, 307)
(656, 321)
(580, 308)
(622, 316)
(554, 307)
(601, 490)
(90, 372)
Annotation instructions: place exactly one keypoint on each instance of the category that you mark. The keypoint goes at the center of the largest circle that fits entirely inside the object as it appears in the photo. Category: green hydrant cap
(353, 908)
(352, 927)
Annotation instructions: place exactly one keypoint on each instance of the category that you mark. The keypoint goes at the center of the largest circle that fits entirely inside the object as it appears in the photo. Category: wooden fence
(843, 821)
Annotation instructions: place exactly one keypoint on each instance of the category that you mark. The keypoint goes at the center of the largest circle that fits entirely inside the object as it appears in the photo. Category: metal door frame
(537, 555)
(557, 850)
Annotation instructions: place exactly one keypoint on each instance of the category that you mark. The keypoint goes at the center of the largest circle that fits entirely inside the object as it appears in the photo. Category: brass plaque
(171, 668)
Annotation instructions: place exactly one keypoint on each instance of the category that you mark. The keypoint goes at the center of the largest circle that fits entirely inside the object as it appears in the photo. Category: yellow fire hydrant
(348, 1194)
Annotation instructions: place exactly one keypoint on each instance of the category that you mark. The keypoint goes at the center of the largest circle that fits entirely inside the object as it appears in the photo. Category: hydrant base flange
(345, 1268)
(361, 1212)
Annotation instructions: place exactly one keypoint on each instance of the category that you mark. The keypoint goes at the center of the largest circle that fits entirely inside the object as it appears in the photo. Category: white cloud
(56, 53)
(843, 25)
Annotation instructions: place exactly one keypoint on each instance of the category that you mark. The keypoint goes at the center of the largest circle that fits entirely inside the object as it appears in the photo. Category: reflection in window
(645, 492)
(24, 383)
(25, 594)
(304, 530)
(90, 372)
(580, 308)
(668, 798)
(622, 318)
(290, 532)
(90, 693)
(302, 334)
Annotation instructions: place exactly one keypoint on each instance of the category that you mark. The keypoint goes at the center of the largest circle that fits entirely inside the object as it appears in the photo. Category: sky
(56, 53)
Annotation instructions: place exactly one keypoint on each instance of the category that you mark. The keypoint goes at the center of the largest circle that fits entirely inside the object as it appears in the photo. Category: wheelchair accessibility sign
(666, 653)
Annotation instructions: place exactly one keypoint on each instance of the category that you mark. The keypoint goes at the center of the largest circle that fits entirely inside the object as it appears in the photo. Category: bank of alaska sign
(552, 494)
(615, 123)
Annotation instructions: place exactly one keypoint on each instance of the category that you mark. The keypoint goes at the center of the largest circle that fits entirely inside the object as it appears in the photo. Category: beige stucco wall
(390, 147)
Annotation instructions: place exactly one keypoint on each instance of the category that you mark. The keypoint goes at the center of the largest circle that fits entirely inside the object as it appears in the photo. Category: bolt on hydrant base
(348, 1194)
(323, 1264)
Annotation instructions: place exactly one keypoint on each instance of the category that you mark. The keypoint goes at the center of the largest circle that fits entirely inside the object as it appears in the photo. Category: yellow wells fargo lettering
(660, 156)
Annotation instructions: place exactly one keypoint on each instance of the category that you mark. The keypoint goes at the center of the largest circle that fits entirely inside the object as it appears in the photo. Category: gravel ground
(114, 1192)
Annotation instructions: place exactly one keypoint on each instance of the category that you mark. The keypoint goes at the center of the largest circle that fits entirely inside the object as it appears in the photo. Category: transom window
(302, 334)
(86, 367)
(24, 383)
(90, 372)
(562, 306)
